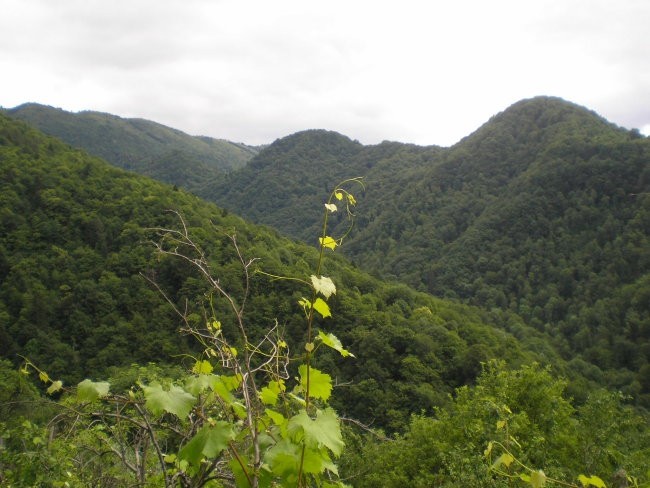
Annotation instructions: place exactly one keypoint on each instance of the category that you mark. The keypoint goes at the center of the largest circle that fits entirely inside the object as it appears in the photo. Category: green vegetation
(233, 419)
(139, 145)
(511, 417)
(74, 246)
(544, 211)
(79, 256)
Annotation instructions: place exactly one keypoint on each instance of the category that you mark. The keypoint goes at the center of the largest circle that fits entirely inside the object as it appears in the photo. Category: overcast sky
(427, 72)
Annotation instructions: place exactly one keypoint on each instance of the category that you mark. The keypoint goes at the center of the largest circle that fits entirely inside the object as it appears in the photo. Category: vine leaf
(328, 241)
(209, 442)
(269, 394)
(322, 308)
(224, 385)
(505, 459)
(538, 479)
(330, 340)
(175, 401)
(202, 367)
(196, 385)
(320, 384)
(89, 391)
(284, 461)
(591, 481)
(323, 431)
(323, 285)
(276, 417)
(54, 387)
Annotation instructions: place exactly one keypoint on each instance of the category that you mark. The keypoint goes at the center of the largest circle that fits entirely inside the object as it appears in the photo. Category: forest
(524, 361)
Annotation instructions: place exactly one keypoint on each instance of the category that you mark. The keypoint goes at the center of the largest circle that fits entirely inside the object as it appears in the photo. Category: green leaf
(269, 394)
(224, 385)
(305, 304)
(202, 367)
(195, 385)
(488, 449)
(328, 242)
(591, 481)
(208, 442)
(323, 285)
(277, 418)
(537, 479)
(505, 459)
(89, 391)
(323, 431)
(175, 401)
(322, 308)
(54, 387)
(330, 340)
(320, 384)
(331, 207)
(284, 458)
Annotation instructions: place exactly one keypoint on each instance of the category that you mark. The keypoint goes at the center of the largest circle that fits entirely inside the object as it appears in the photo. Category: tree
(249, 412)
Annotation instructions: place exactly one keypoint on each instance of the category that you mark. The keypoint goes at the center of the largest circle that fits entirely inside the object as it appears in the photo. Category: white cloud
(252, 71)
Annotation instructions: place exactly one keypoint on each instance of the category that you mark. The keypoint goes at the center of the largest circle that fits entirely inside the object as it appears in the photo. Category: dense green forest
(74, 245)
(75, 254)
(138, 145)
(544, 211)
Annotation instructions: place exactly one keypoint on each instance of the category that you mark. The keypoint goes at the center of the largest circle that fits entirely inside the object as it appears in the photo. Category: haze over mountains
(543, 211)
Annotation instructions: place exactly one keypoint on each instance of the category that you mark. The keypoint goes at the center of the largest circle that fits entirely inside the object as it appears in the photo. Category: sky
(424, 72)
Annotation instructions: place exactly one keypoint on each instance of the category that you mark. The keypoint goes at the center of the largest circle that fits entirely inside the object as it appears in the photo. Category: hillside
(138, 145)
(74, 243)
(544, 211)
(284, 183)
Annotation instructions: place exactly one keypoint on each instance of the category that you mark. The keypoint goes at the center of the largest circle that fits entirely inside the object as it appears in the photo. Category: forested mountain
(73, 246)
(145, 147)
(544, 210)
(280, 186)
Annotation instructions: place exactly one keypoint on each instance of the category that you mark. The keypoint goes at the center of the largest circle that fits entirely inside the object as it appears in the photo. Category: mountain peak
(537, 120)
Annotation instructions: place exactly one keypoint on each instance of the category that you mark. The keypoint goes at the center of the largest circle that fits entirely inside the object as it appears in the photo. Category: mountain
(145, 147)
(75, 243)
(283, 185)
(544, 211)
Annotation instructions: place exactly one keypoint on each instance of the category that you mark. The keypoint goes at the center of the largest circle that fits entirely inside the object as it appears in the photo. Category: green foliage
(543, 211)
(206, 427)
(141, 146)
(74, 249)
(511, 424)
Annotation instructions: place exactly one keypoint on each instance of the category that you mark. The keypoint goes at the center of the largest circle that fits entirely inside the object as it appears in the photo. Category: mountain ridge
(543, 210)
(139, 145)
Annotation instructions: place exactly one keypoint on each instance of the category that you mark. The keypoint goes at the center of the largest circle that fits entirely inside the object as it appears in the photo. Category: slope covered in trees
(271, 188)
(543, 211)
(74, 241)
(73, 245)
(145, 147)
